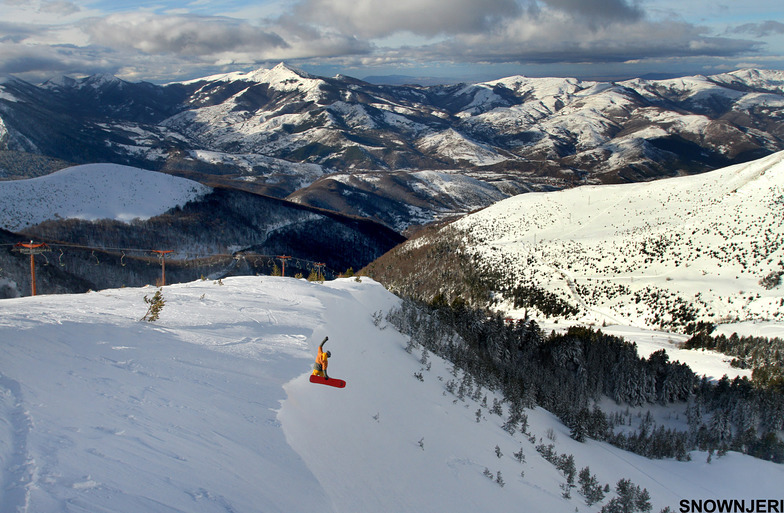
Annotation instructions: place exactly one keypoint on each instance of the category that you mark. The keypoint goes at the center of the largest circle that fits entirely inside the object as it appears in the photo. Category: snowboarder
(320, 367)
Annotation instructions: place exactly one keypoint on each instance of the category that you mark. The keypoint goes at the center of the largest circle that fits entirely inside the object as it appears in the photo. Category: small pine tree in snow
(630, 499)
(496, 409)
(155, 305)
(524, 423)
(589, 487)
(565, 463)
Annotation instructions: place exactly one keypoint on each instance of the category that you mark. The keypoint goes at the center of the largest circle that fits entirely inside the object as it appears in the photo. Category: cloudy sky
(470, 40)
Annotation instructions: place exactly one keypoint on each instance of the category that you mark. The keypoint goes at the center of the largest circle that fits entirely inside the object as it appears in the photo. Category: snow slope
(208, 409)
(93, 191)
(638, 254)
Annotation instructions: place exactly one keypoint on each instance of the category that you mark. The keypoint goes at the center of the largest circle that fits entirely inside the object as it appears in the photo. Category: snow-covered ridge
(458, 147)
(98, 81)
(93, 191)
(637, 253)
(754, 77)
(282, 77)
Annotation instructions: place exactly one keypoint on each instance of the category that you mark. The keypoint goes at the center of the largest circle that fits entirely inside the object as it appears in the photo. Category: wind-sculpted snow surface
(209, 409)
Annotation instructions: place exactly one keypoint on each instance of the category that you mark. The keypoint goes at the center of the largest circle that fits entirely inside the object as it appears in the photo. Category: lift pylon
(32, 249)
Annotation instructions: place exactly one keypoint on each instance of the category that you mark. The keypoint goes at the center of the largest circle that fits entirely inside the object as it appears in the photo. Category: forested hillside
(227, 232)
(575, 373)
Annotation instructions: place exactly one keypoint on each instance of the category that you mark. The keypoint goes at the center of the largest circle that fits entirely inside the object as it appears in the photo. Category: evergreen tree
(567, 467)
(630, 499)
(496, 409)
(155, 305)
(589, 487)
(580, 425)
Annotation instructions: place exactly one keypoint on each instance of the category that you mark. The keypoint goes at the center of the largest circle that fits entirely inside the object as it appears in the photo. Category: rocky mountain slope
(333, 141)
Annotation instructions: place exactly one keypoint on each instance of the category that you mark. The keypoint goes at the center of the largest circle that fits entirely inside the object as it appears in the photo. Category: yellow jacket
(322, 359)
(320, 368)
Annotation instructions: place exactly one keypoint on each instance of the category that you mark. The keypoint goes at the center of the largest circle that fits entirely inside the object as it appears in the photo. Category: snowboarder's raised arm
(323, 341)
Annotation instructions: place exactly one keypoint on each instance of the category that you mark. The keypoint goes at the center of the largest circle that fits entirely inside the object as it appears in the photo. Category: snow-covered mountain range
(668, 254)
(208, 409)
(285, 132)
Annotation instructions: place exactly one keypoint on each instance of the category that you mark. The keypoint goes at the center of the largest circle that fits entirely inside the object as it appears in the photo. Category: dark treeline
(765, 356)
(569, 373)
(222, 234)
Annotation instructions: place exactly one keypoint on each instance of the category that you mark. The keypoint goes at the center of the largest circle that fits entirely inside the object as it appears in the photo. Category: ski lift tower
(32, 249)
(283, 259)
(320, 273)
(162, 257)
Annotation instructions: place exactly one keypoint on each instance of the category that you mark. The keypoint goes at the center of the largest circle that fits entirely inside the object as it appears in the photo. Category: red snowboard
(333, 382)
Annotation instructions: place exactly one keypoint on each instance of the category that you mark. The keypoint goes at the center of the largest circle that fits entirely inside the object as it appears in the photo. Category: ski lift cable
(259, 257)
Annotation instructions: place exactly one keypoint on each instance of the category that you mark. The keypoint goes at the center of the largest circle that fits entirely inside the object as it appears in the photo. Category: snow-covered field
(91, 192)
(209, 409)
(712, 364)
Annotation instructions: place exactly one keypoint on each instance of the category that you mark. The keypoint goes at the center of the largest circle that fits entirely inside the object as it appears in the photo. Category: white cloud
(50, 37)
(557, 36)
(183, 35)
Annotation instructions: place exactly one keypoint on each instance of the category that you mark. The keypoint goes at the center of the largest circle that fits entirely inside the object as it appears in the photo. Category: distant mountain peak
(280, 74)
(97, 81)
(282, 77)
